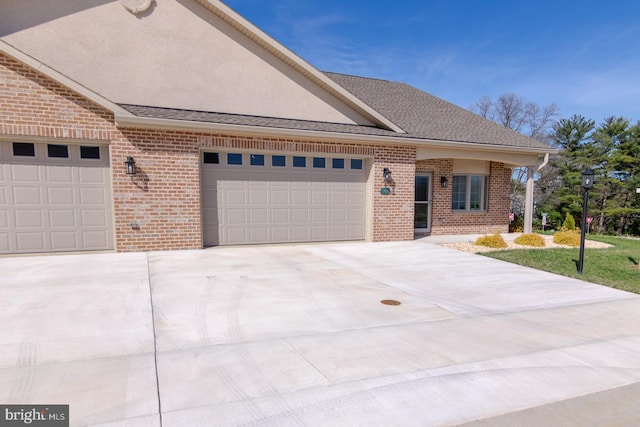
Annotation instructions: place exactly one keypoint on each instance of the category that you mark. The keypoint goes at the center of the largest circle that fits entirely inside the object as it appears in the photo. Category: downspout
(528, 205)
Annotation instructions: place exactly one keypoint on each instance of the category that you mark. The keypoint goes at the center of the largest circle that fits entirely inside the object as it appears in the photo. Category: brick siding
(393, 213)
(445, 221)
(159, 207)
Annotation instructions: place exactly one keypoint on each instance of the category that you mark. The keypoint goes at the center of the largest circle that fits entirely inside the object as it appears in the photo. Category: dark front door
(422, 207)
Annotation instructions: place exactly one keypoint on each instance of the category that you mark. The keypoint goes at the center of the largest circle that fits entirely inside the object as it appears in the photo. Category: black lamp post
(587, 184)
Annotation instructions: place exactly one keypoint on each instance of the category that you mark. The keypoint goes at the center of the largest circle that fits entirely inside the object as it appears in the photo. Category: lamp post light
(587, 184)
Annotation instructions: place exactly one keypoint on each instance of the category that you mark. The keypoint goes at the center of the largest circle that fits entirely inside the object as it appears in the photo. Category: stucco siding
(152, 59)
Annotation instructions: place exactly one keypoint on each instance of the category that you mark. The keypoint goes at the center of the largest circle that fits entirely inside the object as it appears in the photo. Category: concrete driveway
(296, 336)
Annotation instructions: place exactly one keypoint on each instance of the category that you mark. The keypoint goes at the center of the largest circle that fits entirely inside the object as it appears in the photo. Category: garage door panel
(356, 198)
(27, 196)
(93, 218)
(319, 216)
(48, 205)
(258, 197)
(280, 235)
(95, 240)
(64, 240)
(299, 215)
(258, 235)
(29, 218)
(30, 242)
(4, 242)
(235, 217)
(25, 174)
(92, 175)
(59, 174)
(274, 204)
(279, 197)
(354, 231)
(235, 236)
(339, 198)
(280, 216)
(355, 216)
(60, 196)
(300, 234)
(300, 197)
(339, 216)
(234, 197)
(338, 233)
(258, 217)
(320, 198)
(62, 218)
(319, 233)
(93, 196)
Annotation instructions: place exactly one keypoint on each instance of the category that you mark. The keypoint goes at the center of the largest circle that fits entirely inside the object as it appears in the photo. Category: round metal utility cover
(137, 6)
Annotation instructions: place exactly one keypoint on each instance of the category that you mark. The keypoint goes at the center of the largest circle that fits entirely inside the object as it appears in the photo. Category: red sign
(511, 217)
(589, 220)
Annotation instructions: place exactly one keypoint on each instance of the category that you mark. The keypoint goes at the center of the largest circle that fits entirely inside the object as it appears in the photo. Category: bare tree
(484, 107)
(512, 111)
(529, 118)
(539, 119)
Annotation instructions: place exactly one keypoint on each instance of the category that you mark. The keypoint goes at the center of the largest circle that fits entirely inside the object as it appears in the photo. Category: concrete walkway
(296, 336)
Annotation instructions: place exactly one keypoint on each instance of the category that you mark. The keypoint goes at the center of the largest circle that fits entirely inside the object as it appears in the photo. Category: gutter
(545, 161)
(131, 121)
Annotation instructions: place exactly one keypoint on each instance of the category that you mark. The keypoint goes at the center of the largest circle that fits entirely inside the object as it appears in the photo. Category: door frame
(429, 202)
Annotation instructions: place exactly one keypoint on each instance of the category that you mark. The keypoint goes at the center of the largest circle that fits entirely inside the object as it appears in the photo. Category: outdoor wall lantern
(587, 184)
(444, 181)
(386, 175)
(131, 166)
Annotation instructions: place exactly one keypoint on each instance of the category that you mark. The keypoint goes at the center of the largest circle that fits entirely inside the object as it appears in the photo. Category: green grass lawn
(616, 267)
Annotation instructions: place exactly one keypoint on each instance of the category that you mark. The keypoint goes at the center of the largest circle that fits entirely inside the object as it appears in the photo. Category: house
(234, 139)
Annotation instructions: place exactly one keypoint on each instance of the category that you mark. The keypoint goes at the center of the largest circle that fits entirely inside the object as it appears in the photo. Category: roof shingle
(426, 116)
(419, 114)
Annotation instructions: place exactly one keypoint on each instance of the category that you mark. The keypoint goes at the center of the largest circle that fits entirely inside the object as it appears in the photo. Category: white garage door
(272, 198)
(54, 197)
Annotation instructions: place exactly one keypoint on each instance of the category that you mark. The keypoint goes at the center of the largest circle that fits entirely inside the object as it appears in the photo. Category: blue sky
(582, 55)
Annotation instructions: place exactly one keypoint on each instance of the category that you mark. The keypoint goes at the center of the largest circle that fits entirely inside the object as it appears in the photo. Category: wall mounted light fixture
(444, 181)
(131, 166)
(386, 175)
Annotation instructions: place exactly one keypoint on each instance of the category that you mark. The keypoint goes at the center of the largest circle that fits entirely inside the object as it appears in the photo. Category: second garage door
(54, 197)
(250, 198)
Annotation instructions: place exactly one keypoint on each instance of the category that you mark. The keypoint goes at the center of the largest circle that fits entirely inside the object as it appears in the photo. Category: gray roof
(420, 115)
(426, 116)
(240, 119)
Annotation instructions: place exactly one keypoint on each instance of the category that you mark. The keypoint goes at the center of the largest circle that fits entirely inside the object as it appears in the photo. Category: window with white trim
(469, 193)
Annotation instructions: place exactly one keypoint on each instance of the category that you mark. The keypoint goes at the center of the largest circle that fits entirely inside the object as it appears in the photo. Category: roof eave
(130, 121)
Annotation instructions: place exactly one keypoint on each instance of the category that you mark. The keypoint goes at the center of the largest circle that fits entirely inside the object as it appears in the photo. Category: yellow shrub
(492, 241)
(530, 239)
(567, 238)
